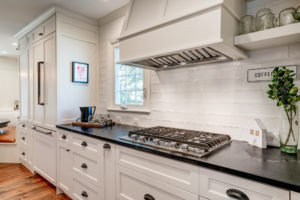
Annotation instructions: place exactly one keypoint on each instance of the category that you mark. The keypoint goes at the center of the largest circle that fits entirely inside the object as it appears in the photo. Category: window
(130, 87)
(129, 83)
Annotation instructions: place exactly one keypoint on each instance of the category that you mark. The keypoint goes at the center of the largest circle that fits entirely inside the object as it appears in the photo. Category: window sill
(141, 111)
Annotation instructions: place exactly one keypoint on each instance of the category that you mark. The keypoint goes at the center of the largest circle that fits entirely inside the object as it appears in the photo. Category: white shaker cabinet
(44, 103)
(44, 153)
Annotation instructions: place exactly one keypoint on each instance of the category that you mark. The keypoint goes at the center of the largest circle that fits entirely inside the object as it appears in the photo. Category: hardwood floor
(18, 183)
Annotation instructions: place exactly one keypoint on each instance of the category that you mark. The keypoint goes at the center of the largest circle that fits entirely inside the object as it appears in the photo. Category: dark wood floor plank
(18, 183)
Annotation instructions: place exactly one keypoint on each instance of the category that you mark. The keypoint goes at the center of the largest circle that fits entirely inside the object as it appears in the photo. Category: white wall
(77, 41)
(213, 97)
(9, 88)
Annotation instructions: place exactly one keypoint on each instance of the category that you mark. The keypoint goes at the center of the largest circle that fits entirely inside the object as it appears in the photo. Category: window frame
(145, 108)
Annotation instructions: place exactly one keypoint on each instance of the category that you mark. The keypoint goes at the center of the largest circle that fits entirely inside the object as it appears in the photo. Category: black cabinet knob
(84, 144)
(23, 153)
(84, 166)
(41, 34)
(68, 150)
(106, 146)
(148, 197)
(64, 137)
(84, 194)
(236, 194)
(23, 125)
(23, 138)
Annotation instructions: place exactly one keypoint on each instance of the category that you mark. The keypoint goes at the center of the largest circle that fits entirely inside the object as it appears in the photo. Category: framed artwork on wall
(80, 72)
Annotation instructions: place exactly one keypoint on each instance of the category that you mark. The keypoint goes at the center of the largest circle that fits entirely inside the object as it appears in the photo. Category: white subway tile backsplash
(214, 97)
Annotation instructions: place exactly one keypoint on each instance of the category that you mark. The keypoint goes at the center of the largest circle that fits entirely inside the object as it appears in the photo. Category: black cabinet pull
(68, 150)
(41, 34)
(23, 153)
(106, 146)
(23, 138)
(84, 144)
(23, 125)
(236, 194)
(84, 166)
(64, 137)
(148, 197)
(84, 194)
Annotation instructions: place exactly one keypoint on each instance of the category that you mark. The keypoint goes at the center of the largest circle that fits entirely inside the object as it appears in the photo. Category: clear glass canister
(265, 19)
(247, 24)
(297, 14)
(286, 16)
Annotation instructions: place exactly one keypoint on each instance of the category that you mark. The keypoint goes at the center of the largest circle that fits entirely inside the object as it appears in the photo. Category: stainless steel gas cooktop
(186, 142)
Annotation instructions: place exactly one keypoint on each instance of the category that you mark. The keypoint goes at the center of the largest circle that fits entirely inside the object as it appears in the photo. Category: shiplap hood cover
(163, 34)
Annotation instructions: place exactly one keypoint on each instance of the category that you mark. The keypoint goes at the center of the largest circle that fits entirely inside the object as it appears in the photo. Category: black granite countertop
(268, 166)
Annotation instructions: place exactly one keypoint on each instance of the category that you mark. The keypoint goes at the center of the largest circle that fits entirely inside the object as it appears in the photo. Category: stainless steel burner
(187, 142)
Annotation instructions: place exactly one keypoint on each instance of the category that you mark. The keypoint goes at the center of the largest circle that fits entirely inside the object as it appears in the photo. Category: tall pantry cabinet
(47, 48)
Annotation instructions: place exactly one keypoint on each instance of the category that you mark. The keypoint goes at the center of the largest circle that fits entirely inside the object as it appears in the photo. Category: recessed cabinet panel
(218, 186)
(87, 167)
(45, 154)
(135, 186)
(178, 174)
(50, 82)
(38, 57)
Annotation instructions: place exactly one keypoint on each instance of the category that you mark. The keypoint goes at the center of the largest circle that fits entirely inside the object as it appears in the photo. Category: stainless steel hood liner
(163, 34)
(189, 57)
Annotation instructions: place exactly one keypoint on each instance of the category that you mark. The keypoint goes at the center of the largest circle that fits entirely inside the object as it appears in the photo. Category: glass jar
(289, 131)
(286, 16)
(247, 24)
(296, 14)
(265, 19)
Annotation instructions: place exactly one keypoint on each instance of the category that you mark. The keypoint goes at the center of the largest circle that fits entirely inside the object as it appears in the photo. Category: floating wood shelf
(279, 36)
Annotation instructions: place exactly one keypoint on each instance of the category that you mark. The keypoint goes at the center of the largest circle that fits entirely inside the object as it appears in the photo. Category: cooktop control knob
(142, 139)
(134, 137)
(156, 141)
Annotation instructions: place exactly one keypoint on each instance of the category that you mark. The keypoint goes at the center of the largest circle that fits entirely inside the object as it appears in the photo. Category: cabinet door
(38, 59)
(45, 154)
(23, 64)
(50, 82)
(64, 168)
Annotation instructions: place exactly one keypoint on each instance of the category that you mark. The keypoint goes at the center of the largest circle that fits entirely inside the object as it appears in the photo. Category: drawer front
(86, 145)
(84, 191)
(64, 137)
(179, 174)
(214, 185)
(49, 26)
(132, 185)
(38, 33)
(87, 168)
(23, 152)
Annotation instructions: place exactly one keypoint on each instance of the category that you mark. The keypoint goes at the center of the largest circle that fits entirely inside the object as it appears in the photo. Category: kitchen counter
(268, 166)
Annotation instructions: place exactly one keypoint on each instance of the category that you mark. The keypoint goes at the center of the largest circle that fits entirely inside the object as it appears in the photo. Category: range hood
(164, 34)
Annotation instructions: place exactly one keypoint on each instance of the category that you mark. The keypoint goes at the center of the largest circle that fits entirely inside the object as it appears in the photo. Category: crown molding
(113, 15)
(51, 11)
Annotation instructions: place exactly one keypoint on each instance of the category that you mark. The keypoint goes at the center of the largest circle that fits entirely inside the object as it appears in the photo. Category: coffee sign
(265, 74)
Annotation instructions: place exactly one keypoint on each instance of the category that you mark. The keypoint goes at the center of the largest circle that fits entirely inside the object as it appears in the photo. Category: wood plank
(18, 183)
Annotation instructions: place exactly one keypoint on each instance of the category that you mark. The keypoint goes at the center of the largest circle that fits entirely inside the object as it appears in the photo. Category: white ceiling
(15, 14)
